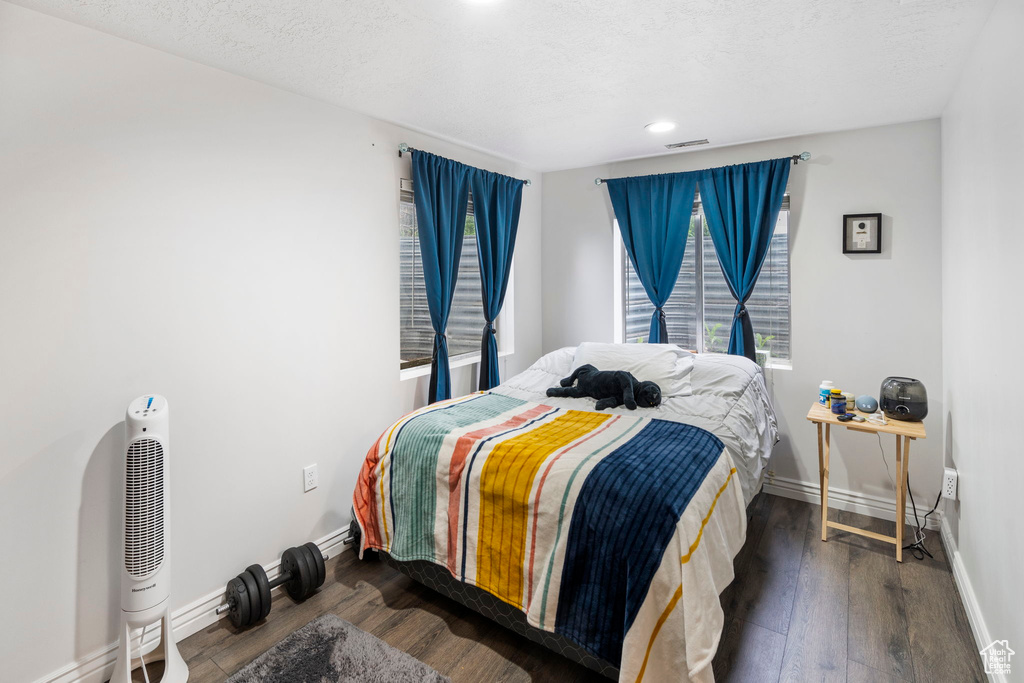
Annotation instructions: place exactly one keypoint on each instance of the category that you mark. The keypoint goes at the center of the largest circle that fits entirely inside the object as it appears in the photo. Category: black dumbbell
(248, 594)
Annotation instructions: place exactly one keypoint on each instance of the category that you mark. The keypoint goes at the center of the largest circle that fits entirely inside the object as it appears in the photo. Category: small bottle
(837, 402)
(823, 392)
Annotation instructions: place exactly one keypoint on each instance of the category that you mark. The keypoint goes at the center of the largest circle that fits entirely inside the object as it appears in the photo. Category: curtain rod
(402, 148)
(797, 158)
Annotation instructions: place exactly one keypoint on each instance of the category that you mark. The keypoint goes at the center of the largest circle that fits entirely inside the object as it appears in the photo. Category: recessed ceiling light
(660, 126)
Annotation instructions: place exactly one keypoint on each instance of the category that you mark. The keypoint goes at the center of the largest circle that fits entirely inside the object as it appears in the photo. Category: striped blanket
(615, 531)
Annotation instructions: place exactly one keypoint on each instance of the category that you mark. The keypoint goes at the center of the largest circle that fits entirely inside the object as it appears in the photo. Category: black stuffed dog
(611, 388)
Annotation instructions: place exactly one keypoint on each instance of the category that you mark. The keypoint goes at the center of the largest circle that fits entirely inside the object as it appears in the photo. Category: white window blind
(699, 312)
(466, 320)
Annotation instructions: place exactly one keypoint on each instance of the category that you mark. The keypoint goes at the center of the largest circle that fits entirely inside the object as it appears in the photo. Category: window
(700, 310)
(466, 320)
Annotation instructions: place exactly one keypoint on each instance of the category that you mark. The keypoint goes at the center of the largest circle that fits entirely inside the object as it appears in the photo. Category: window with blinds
(699, 312)
(466, 320)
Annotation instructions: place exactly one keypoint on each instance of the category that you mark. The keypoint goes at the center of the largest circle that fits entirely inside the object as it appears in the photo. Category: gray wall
(982, 246)
(885, 321)
(171, 228)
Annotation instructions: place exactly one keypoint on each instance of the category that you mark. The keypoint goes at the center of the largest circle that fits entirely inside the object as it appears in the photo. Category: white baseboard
(842, 499)
(197, 615)
(192, 618)
(982, 637)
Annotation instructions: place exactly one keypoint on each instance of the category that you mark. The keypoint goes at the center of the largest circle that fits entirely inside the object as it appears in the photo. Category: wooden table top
(821, 414)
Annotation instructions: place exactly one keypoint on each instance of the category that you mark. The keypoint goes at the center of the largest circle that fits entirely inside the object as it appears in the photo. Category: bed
(604, 535)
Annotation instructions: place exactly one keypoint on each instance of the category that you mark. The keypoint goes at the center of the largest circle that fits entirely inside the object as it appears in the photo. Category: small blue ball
(867, 404)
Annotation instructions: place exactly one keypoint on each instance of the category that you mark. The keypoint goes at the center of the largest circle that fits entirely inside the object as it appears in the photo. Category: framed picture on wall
(862, 233)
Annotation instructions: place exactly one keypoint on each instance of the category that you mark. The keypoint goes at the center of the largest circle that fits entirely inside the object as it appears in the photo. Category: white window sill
(456, 362)
(778, 364)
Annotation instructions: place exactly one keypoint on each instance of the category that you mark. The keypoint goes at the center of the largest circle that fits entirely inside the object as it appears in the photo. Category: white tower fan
(145, 572)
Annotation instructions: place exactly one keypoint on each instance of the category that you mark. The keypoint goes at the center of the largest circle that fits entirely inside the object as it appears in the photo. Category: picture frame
(862, 233)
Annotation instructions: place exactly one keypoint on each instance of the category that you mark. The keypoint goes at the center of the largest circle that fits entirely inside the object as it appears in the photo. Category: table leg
(824, 483)
(900, 513)
(821, 463)
(905, 478)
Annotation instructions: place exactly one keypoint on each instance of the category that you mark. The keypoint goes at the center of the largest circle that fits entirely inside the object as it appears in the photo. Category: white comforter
(729, 399)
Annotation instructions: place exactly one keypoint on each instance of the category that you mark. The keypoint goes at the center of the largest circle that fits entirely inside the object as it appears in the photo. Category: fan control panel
(149, 405)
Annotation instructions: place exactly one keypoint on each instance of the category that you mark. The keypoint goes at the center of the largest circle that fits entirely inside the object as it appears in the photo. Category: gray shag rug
(331, 650)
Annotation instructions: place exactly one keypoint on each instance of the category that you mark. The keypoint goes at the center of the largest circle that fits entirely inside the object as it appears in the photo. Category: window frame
(620, 299)
(504, 324)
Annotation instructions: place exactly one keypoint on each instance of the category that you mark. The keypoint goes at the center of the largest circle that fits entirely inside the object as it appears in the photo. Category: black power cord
(916, 548)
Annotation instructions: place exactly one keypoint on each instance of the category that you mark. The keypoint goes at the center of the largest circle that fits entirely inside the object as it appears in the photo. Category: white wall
(167, 227)
(886, 321)
(982, 244)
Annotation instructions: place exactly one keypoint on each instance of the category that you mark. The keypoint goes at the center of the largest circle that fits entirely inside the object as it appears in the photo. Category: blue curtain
(654, 219)
(496, 202)
(741, 204)
(441, 188)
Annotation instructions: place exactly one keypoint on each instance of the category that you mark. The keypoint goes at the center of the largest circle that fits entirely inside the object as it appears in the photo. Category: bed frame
(480, 601)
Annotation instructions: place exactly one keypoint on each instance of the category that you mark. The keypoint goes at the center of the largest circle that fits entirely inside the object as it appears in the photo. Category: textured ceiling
(566, 83)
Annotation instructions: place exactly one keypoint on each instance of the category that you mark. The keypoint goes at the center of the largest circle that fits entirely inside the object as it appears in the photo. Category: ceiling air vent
(688, 143)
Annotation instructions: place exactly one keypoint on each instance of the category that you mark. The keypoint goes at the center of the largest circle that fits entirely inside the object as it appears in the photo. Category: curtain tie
(741, 338)
(662, 326)
(438, 338)
(488, 331)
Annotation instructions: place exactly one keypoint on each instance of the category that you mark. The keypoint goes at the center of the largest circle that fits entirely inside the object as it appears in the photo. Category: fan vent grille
(144, 508)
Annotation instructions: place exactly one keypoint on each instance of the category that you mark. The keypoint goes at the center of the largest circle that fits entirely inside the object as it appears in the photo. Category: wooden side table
(905, 432)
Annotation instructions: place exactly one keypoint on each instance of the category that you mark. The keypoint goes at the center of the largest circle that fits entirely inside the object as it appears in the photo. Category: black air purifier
(903, 398)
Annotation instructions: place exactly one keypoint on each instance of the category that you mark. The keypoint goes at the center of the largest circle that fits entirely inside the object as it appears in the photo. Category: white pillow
(666, 365)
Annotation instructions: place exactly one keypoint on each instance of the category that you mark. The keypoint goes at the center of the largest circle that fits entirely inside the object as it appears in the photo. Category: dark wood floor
(799, 610)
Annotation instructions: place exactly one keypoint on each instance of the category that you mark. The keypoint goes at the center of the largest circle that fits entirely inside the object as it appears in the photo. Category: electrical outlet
(949, 479)
(310, 478)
